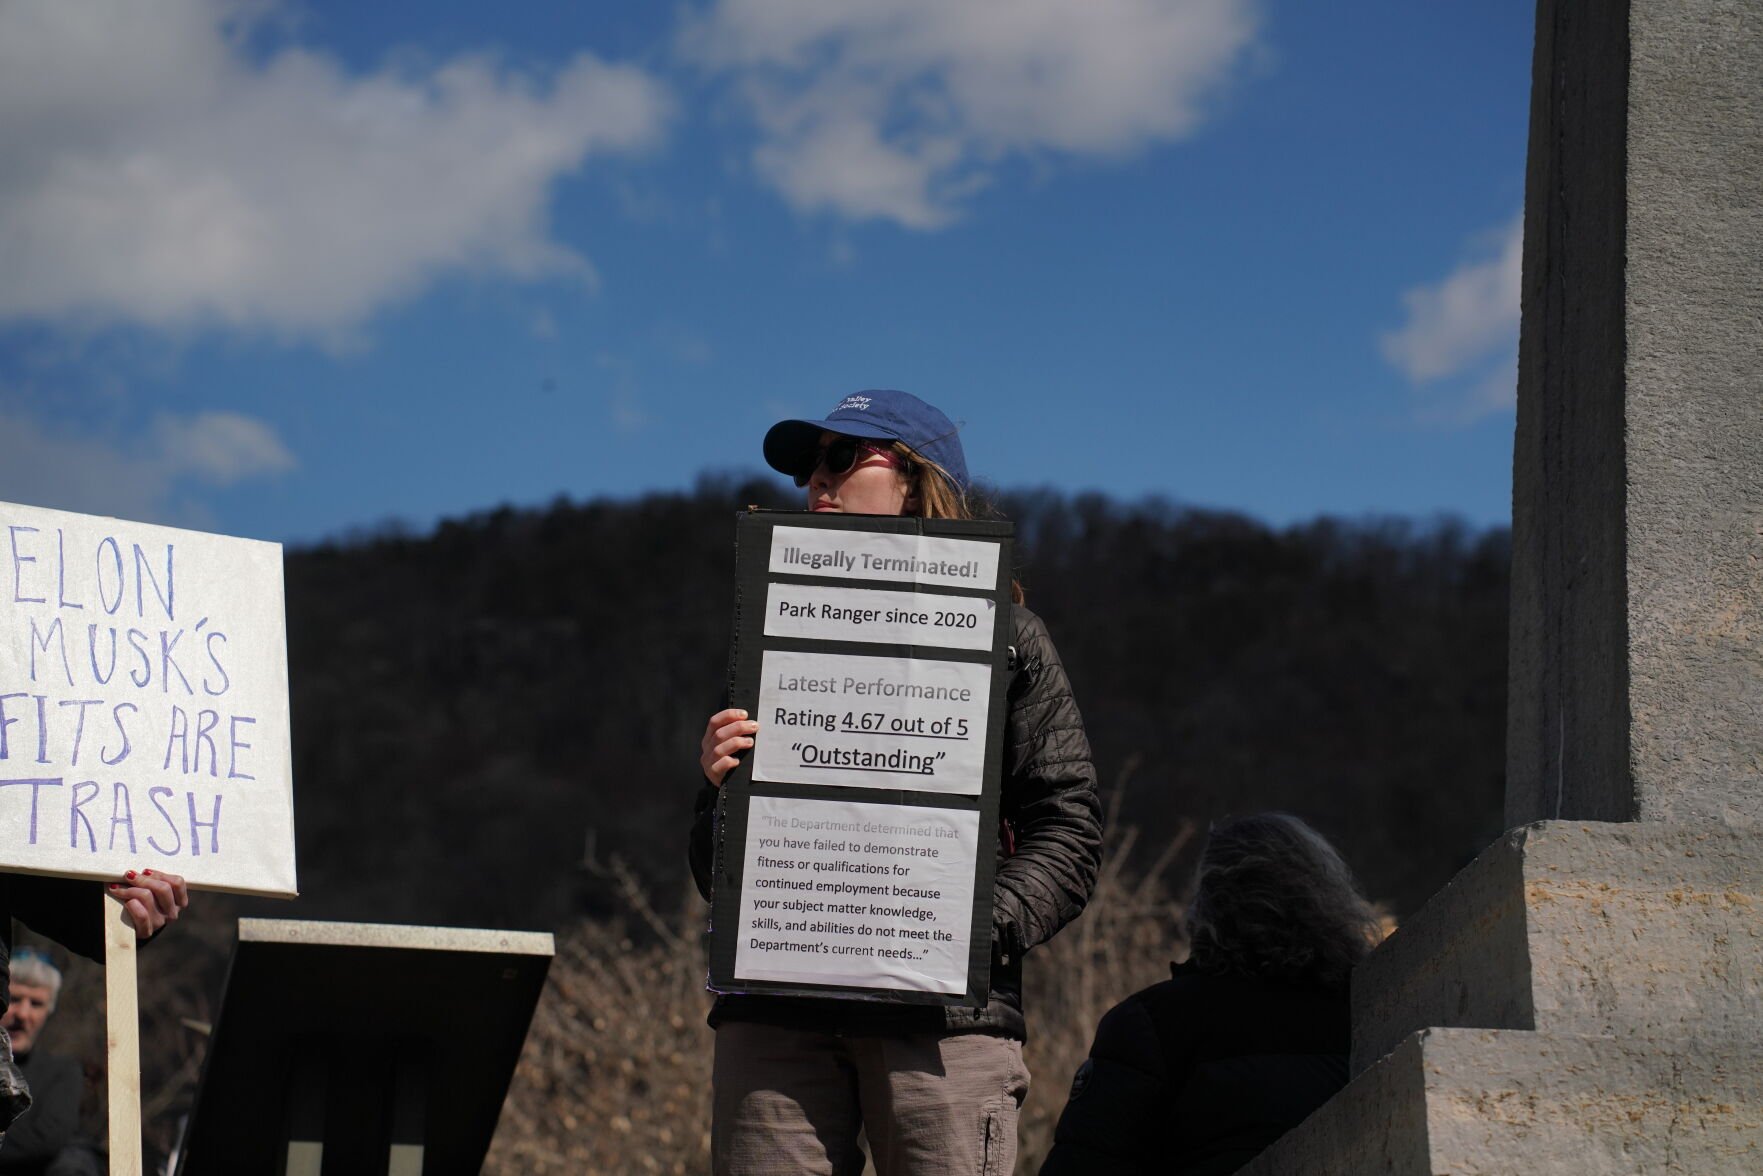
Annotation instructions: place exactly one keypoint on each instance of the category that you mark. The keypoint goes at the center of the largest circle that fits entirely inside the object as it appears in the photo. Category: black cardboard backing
(754, 534)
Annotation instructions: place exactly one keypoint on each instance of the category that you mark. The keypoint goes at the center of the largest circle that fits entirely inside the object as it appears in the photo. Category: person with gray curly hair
(1196, 1075)
(24, 1015)
(45, 1140)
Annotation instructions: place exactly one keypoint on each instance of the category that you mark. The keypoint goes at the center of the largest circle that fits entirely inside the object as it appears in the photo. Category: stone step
(1579, 928)
(1475, 1102)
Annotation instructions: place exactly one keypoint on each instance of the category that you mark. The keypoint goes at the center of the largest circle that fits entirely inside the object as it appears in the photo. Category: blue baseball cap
(880, 414)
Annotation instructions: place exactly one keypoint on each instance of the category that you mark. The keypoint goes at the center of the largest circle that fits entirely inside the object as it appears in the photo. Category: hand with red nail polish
(151, 900)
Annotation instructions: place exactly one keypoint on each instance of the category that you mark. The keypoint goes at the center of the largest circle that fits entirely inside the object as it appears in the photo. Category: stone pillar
(1636, 688)
(1585, 996)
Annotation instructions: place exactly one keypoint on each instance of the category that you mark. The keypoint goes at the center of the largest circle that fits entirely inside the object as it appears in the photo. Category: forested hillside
(486, 714)
(496, 725)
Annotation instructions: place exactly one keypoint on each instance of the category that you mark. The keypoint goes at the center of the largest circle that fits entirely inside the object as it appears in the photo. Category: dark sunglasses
(841, 455)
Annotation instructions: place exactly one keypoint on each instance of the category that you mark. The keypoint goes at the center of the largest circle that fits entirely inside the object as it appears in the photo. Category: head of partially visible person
(878, 452)
(1276, 902)
(36, 985)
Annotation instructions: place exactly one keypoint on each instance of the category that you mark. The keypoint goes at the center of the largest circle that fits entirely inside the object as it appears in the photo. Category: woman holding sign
(935, 1089)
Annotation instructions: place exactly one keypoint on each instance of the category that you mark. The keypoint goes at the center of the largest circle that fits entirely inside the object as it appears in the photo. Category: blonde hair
(935, 495)
(933, 491)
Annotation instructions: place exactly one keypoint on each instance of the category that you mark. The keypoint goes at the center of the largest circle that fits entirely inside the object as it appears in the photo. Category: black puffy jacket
(1049, 800)
(1196, 1075)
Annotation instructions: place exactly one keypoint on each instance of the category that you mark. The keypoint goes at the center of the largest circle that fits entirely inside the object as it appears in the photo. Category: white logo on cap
(857, 402)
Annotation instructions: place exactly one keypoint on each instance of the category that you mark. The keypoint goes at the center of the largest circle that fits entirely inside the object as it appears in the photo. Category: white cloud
(219, 448)
(1460, 340)
(144, 478)
(155, 171)
(1456, 322)
(898, 109)
(683, 345)
(624, 401)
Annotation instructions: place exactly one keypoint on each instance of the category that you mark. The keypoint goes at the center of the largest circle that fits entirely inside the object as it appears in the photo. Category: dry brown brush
(615, 1076)
(616, 1072)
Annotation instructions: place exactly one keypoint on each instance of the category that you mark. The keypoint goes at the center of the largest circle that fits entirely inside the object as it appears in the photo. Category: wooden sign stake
(122, 1018)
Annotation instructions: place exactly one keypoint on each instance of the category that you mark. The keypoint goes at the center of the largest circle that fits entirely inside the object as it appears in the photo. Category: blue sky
(282, 270)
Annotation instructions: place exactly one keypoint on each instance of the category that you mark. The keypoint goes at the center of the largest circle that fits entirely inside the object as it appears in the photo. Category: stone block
(1471, 1102)
(1636, 674)
(1579, 928)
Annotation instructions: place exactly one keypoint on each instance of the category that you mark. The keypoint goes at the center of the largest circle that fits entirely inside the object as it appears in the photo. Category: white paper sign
(859, 895)
(872, 722)
(870, 555)
(143, 702)
(820, 613)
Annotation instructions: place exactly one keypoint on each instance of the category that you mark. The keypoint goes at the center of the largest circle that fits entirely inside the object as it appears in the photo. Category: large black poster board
(856, 842)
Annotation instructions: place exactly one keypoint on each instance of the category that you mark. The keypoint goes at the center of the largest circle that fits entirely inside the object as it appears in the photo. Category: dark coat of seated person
(1197, 1075)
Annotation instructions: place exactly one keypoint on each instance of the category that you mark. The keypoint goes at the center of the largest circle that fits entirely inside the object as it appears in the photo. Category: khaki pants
(790, 1102)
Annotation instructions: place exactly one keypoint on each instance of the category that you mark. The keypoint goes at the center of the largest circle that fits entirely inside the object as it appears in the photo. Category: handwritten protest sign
(143, 703)
(854, 857)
